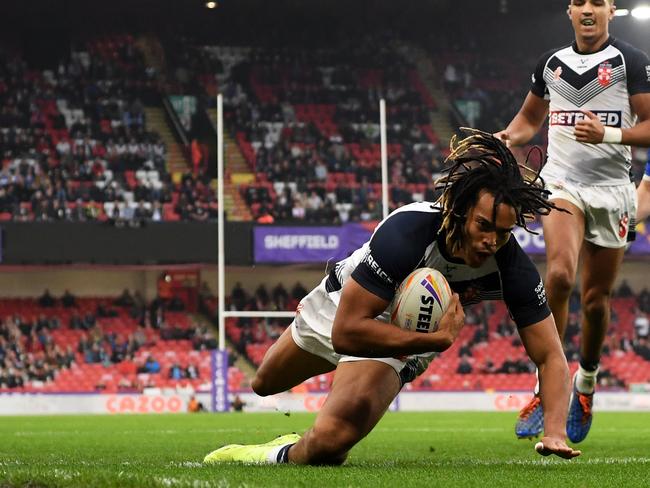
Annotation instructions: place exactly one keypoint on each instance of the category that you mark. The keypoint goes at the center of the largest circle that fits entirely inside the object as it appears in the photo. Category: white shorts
(609, 210)
(311, 330)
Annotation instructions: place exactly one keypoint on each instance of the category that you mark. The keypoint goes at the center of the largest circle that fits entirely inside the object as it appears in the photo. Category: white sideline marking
(527, 462)
(186, 464)
(27, 433)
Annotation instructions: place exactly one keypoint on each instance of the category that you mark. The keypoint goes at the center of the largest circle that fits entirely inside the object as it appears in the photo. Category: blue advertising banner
(307, 244)
(302, 244)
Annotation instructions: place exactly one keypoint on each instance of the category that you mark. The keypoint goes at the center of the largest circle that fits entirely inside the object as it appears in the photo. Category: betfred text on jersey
(611, 118)
(424, 317)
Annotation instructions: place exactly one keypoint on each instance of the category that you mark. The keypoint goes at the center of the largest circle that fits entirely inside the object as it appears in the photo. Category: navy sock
(283, 455)
(589, 366)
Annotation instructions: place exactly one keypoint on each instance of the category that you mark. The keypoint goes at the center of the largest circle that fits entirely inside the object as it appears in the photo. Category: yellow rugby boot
(251, 453)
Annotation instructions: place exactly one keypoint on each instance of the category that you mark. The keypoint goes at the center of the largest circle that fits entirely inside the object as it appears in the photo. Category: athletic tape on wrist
(613, 135)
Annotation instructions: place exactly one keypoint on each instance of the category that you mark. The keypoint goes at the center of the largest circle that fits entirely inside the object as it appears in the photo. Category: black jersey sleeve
(637, 68)
(523, 290)
(538, 86)
(396, 248)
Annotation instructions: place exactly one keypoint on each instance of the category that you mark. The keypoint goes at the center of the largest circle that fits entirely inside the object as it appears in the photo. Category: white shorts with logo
(609, 210)
(311, 330)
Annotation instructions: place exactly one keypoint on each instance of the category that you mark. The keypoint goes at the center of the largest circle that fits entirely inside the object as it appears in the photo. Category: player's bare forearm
(555, 391)
(521, 129)
(526, 123)
(375, 339)
(543, 345)
(643, 198)
(639, 135)
(356, 332)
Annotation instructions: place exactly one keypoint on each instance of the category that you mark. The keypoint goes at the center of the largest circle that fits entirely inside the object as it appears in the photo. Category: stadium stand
(75, 143)
(103, 345)
(307, 124)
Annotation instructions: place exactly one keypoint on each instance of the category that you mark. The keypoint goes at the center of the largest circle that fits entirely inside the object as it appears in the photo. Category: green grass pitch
(405, 449)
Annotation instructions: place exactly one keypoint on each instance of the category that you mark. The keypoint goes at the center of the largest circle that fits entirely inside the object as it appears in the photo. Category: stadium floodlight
(621, 12)
(641, 13)
(211, 4)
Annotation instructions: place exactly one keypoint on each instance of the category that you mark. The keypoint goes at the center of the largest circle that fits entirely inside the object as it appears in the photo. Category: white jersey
(601, 82)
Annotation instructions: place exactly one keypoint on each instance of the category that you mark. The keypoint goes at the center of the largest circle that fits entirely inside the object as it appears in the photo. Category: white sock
(536, 390)
(586, 380)
(273, 454)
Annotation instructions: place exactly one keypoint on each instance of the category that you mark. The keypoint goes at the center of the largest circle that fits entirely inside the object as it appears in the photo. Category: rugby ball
(420, 301)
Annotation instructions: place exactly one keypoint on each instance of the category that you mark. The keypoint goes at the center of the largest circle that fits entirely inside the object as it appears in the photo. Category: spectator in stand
(488, 366)
(68, 300)
(506, 327)
(298, 291)
(125, 299)
(644, 300)
(176, 304)
(625, 344)
(280, 297)
(641, 324)
(509, 366)
(157, 212)
(642, 348)
(176, 372)
(192, 371)
(238, 297)
(142, 213)
(46, 300)
(151, 365)
(464, 366)
(624, 290)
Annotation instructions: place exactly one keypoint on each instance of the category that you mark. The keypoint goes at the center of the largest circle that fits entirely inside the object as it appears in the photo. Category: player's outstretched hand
(453, 319)
(553, 445)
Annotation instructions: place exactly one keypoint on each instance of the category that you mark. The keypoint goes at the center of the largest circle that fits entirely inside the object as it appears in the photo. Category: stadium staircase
(176, 161)
(237, 172)
(431, 78)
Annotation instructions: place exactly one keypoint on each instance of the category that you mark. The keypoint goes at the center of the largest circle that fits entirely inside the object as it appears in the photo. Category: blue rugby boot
(530, 422)
(578, 422)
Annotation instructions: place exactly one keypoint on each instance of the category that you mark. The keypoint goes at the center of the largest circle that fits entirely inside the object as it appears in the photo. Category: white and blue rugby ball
(420, 301)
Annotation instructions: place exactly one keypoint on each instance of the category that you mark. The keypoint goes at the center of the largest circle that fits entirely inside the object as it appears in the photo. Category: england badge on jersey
(604, 73)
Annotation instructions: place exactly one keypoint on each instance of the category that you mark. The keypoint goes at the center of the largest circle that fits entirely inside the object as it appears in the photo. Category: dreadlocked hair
(481, 162)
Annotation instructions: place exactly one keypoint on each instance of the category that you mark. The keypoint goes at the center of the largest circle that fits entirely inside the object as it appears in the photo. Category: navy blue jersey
(410, 238)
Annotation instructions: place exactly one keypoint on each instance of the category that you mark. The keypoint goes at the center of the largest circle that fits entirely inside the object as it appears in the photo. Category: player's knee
(262, 384)
(560, 279)
(596, 303)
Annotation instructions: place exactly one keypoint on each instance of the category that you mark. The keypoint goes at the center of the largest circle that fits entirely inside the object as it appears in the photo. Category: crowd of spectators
(75, 146)
(29, 354)
(311, 121)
